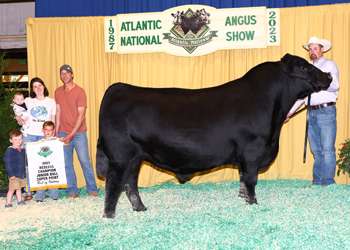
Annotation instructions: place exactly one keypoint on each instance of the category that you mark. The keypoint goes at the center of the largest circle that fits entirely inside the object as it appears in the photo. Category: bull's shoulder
(263, 67)
(264, 72)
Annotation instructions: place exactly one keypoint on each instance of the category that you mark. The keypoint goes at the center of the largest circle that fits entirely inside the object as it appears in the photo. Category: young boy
(49, 131)
(20, 109)
(14, 159)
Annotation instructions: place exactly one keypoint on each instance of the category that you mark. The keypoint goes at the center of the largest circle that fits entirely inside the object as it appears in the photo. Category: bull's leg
(242, 188)
(131, 188)
(250, 177)
(115, 181)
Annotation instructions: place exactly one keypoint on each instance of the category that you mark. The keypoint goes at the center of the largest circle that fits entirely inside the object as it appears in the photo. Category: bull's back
(175, 100)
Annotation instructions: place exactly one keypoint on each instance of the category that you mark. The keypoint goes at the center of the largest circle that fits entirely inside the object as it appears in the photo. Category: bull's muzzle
(329, 75)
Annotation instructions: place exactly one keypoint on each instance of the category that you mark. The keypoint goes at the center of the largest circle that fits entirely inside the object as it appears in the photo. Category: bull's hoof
(139, 209)
(109, 215)
(251, 202)
(241, 195)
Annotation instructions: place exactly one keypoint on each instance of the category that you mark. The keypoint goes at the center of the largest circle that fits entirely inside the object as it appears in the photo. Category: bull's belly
(184, 169)
(185, 165)
(186, 162)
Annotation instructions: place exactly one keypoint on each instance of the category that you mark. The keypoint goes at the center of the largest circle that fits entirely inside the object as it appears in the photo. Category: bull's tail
(101, 161)
(101, 158)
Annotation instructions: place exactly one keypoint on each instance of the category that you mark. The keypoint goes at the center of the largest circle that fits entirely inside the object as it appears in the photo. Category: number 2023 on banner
(273, 27)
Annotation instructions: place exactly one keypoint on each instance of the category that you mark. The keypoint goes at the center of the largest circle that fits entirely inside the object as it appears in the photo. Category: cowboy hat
(325, 43)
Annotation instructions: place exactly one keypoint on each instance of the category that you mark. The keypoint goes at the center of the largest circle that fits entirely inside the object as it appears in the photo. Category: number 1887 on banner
(111, 33)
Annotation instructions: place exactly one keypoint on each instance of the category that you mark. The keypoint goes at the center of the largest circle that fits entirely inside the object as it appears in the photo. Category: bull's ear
(287, 63)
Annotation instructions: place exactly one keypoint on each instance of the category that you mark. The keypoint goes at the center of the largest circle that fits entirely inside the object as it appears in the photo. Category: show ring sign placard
(193, 30)
(46, 168)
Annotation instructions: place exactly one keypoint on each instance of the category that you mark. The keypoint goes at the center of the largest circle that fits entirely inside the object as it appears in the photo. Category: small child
(20, 109)
(49, 131)
(14, 159)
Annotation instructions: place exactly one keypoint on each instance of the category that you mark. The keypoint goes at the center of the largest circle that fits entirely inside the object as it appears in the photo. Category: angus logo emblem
(189, 29)
(45, 151)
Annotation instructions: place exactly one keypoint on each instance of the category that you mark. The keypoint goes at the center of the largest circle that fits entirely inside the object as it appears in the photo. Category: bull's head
(177, 17)
(203, 16)
(301, 69)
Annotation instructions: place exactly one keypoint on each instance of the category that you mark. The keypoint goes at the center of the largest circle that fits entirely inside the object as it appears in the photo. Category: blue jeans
(30, 138)
(322, 133)
(80, 143)
(40, 194)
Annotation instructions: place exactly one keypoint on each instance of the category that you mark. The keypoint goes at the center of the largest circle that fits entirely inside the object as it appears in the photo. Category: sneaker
(21, 203)
(39, 201)
(9, 205)
(93, 194)
(73, 195)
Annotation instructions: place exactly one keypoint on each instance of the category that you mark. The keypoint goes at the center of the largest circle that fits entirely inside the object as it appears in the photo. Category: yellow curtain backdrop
(79, 42)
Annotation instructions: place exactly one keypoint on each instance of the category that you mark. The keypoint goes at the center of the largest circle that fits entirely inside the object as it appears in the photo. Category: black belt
(322, 105)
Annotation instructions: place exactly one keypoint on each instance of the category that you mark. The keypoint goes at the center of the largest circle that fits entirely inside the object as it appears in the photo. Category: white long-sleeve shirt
(324, 96)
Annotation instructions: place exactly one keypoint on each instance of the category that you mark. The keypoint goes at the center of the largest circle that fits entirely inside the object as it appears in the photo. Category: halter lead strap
(307, 125)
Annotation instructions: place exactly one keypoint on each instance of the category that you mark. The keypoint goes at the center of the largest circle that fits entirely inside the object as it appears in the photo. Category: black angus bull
(187, 131)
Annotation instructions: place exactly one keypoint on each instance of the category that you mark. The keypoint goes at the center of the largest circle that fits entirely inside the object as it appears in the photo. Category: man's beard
(313, 57)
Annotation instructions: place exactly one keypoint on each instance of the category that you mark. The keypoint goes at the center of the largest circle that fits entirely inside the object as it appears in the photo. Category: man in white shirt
(322, 122)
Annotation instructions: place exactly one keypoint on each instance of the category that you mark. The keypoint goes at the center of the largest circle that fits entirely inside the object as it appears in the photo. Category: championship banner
(192, 30)
(46, 168)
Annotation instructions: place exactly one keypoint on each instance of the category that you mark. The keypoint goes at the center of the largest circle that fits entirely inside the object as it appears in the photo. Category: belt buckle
(327, 104)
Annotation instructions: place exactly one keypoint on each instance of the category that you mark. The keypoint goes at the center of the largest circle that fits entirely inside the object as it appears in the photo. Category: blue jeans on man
(80, 143)
(41, 194)
(30, 138)
(322, 134)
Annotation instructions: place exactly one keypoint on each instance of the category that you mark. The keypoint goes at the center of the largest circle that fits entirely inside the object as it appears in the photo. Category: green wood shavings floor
(204, 216)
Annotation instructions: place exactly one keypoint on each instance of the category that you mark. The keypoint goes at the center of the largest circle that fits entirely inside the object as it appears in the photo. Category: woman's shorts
(17, 183)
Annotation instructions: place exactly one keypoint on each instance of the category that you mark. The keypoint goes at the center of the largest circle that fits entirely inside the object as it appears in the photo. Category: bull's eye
(302, 68)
